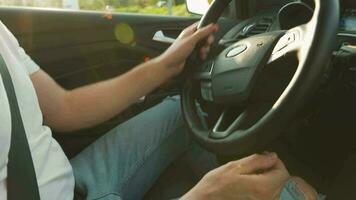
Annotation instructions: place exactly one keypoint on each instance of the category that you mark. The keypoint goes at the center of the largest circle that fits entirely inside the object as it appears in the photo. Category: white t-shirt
(53, 170)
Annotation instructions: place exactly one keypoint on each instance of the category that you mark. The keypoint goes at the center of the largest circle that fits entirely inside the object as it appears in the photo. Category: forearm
(91, 105)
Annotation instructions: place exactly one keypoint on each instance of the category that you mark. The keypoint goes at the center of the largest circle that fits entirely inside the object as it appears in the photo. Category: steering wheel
(251, 112)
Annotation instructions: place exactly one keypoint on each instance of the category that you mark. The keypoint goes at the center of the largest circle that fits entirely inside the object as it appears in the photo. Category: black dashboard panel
(348, 10)
(271, 4)
(348, 16)
(348, 24)
(267, 18)
(294, 14)
(345, 4)
(261, 6)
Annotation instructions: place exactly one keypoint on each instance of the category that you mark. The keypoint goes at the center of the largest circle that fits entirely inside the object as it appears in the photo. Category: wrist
(167, 67)
(156, 71)
(194, 195)
(164, 68)
(198, 193)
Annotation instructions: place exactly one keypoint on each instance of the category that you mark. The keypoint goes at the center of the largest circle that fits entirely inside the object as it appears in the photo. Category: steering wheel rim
(313, 45)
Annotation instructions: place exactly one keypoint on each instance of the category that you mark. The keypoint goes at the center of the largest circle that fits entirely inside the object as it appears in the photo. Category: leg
(292, 192)
(124, 163)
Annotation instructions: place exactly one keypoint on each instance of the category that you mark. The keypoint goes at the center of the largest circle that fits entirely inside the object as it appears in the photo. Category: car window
(152, 7)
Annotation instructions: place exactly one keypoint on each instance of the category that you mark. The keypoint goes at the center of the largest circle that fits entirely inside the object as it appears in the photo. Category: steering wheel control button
(236, 50)
(206, 91)
(286, 40)
(208, 66)
(205, 71)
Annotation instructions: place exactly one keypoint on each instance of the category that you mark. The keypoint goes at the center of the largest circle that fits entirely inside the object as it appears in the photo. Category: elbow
(60, 118)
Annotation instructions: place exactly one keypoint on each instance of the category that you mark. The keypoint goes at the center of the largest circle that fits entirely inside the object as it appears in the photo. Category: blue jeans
(125, 163)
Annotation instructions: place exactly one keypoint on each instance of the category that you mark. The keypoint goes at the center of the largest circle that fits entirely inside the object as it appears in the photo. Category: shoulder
(7, 36)
(13, 45)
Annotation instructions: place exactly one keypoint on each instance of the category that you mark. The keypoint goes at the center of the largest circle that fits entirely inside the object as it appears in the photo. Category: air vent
(258, 27)
(254, 29)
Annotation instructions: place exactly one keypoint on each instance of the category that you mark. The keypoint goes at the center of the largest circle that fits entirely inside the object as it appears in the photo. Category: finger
(204, 32)
(256, 163)
(279, 165)
(278, 173)
(190, 30)
(204, 51)
(210, 40)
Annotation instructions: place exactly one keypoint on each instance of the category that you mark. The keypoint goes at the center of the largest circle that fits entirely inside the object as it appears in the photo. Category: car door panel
(86, 41)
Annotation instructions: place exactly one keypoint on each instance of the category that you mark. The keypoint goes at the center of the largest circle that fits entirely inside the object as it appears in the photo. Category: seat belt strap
(21, 175)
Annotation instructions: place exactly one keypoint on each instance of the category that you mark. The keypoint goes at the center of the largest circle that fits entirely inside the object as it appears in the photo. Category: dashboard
(348, 20)
(348, 4)
(263, 5)
(272, 15)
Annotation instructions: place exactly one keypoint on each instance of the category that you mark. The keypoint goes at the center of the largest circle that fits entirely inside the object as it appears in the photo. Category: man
(125, 162)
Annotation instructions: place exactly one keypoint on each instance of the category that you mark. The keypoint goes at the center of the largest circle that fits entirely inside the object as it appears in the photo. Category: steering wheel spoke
(229, 122)
(205, 71)
(292, 42)
(221, 128)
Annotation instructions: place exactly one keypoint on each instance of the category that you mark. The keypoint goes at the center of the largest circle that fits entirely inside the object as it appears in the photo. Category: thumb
(256, 163)
(204, 32)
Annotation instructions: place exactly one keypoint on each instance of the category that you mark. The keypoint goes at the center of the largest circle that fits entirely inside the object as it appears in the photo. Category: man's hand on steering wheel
(174, 58)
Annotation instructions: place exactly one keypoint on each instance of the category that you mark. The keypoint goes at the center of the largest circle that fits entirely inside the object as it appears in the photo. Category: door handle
(160, 37)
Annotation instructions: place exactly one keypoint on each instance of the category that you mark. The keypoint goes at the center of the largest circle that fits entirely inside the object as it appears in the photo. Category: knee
(161, 120)
(171, 110)
(171, 116)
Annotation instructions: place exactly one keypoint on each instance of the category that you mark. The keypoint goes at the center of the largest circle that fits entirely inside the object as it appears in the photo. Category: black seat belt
(21, 175)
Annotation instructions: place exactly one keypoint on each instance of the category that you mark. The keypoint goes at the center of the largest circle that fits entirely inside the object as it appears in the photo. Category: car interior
(318, 142)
